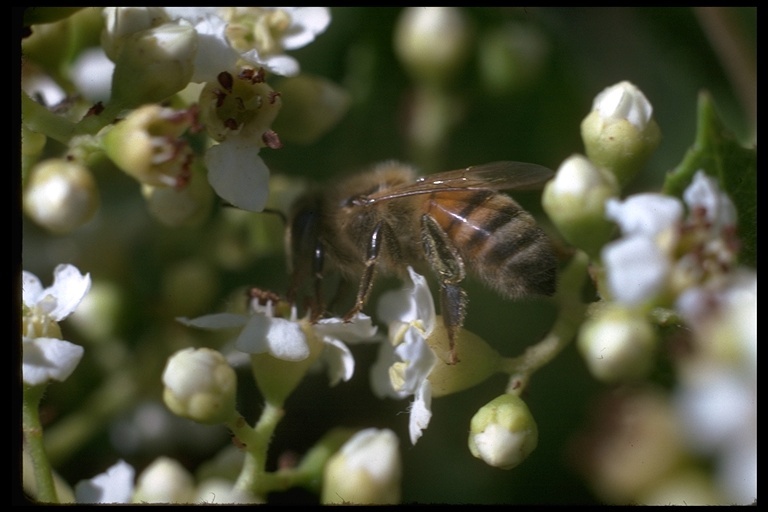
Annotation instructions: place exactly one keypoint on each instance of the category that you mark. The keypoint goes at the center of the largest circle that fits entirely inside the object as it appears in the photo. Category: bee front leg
(448, 266)
(382, 234)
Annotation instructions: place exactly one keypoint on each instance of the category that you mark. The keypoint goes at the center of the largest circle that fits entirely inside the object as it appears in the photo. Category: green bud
(367, 470)
(575, 202)
(618, 344)
(312, 105)
(620, 133)
(154, 64)
(60, 195)
(503, 432)
(477, 361)
(148, 146)
(200, 385)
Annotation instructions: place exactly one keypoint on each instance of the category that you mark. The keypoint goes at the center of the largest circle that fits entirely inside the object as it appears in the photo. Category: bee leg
(380, 232)
(448, 266)
(318, 259)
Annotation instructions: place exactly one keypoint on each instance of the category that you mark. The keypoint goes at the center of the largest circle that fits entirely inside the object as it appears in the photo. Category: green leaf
(717, 152)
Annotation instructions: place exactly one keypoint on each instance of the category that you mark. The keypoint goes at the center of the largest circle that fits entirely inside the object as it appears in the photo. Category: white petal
(644, 214)
(191, 14)
(214, 53)
(636, 269)
(46, 359)
(421, 411)
(283, 65)
(113, 486)
(31, 289)
(215, 321)
(341, 364)
(360, 328)
(420, 358)
(238, 174)
(704, 192)
(410, 303)
(381, 384)
(69, 287)
(307, 22)
(91, 73)
(280, 337)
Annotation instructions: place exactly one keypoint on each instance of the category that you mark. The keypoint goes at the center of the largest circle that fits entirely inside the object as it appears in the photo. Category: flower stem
(33, 436)
(254, 477)
(570, 317)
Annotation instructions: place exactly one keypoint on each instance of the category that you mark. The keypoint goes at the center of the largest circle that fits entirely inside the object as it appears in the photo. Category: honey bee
(455, 223)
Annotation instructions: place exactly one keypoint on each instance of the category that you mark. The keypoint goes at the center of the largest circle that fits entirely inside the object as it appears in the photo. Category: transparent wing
(493, 176)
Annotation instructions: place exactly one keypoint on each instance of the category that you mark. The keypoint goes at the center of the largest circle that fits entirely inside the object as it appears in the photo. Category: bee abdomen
(501, 243)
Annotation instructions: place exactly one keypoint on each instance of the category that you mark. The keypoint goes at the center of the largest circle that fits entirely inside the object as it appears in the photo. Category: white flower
(46, 356)
(261, 34)
(664, 250)
(257, 35)
(366, 470)
(113, 486)
(403, 370)
(287, 338)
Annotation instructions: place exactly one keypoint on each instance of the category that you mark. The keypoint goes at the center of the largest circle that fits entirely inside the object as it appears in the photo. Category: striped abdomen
(498, 240)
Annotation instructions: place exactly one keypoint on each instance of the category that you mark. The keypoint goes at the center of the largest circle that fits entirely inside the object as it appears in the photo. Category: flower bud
(200, 385)
(575, 201)
(312, 105)
(164, 481)
(620, 132)
(60, 195)
(366, 470)
(503, 432)
(154, 64)
(477, 361)
(432, 42)
(618, 344)
(148, 146)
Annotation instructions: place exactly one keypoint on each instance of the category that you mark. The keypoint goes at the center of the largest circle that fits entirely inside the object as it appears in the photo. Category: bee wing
(493, 176)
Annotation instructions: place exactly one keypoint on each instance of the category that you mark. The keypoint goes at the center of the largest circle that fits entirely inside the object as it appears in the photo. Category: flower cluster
(210, 69)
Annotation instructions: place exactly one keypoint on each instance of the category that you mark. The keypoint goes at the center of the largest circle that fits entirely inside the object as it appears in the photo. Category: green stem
(570, 317)
(33, 436)
(254, 477)
(41, 120)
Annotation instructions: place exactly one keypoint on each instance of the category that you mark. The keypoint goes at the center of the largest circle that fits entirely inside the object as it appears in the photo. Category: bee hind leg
(444, 258)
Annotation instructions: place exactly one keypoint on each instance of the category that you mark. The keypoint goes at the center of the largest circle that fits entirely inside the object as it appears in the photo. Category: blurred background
(527, 80)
